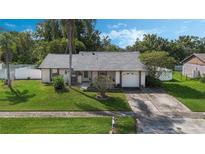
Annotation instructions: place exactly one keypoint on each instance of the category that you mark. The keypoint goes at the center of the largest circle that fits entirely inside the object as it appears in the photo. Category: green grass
(98, 125)
(190, 92)
(32, 95)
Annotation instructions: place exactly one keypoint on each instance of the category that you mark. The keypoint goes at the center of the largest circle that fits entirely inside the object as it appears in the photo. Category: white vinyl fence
(27, 73)
(21, 72)
(2, 73)
(166, 74)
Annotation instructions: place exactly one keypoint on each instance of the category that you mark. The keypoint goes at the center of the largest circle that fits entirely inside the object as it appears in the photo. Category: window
(103, 73)
(85, 74)
(54, 72)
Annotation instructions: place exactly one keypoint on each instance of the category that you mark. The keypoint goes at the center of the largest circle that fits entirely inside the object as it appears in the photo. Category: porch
(119, 78)
(90, 76)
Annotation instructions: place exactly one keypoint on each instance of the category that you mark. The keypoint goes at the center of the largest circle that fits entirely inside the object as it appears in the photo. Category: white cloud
(117, 26)
(125, 37)
(28, 30)
(9, 25)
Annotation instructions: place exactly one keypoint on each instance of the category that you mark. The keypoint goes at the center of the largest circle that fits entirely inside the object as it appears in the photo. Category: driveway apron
(158, 112)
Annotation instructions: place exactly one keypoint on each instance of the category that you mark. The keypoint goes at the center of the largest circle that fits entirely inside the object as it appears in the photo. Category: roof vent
(93, 53)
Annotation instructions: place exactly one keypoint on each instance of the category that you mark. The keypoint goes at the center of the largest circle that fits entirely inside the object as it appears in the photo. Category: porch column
(117, 78)
(120, 78)
(50, 74)
(140, 79)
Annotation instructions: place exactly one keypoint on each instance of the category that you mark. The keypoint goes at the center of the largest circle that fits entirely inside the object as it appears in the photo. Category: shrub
(202, 78)
(58, 83)
(102, 84)
(152, 82)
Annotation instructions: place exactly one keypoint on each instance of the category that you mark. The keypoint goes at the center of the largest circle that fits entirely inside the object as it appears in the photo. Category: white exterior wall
(45, 75)
(191, 69)
(143, 76)
(65, 75)
(117, 78)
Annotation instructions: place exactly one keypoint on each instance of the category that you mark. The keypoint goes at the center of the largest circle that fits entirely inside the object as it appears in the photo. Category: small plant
(152, 82)
(102, 84)
(202, 78)
(58, 83)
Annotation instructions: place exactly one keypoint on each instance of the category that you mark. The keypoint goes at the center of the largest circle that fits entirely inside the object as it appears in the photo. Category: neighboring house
(194, 65)
(125, 68)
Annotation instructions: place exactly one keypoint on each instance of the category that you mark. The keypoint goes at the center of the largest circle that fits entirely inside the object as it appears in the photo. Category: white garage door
(130, 79)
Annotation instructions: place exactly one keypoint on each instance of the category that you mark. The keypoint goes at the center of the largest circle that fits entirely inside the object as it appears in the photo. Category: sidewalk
(64, 114)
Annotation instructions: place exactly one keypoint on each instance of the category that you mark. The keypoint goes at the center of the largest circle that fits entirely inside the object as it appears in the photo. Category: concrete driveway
(158, 112)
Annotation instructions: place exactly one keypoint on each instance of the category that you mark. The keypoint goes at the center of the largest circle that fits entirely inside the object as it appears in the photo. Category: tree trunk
(70, 24)
(102, 94)
(8, 70)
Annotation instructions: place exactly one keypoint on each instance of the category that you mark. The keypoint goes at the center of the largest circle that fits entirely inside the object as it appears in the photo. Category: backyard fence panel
(27, 73)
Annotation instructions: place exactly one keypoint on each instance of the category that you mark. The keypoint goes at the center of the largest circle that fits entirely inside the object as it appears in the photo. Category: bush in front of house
(152, 82)
(58, 83)
(202, 78)
(102, 84)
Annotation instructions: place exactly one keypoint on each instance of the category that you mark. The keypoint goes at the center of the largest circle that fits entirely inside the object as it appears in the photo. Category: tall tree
(155, 60)
(70, 25)
(6, 43)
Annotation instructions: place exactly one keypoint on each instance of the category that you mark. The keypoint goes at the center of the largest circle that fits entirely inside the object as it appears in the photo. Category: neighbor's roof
(93, 61)
(201, 56)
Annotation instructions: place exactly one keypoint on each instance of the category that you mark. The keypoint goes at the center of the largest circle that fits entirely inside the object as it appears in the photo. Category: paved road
(158, 112)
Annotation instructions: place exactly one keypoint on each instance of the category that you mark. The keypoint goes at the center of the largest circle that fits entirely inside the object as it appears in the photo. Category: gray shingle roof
(95, 61)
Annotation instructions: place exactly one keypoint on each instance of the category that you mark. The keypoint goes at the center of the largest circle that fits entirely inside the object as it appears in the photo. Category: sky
(124, 32)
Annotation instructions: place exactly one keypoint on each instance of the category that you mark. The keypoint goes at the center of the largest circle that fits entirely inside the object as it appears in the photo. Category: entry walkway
(64, 114)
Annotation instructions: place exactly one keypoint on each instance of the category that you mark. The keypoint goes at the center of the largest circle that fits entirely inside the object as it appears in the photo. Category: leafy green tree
(70, 36)
(6, 44)
(106, 45)
(154, 60)
(84, 33)
(178, 48)
(102, 84)
(151, 42)
(24, 48)
(48, 30)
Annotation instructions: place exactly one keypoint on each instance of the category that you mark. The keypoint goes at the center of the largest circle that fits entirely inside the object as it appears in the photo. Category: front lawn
(32, 95)
(189, 92)
(98, 125)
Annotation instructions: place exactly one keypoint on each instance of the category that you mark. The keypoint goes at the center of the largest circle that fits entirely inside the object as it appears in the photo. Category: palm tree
(70, 35)
(5, 43)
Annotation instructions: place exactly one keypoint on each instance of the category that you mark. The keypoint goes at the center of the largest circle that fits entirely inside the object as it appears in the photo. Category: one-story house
(124, 68)
(194, 65)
